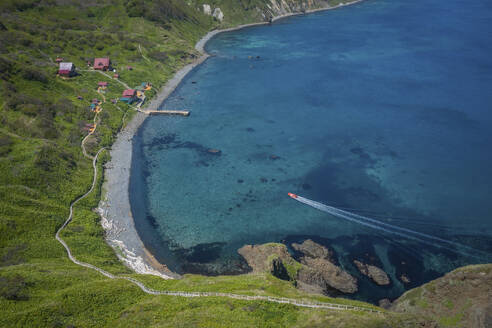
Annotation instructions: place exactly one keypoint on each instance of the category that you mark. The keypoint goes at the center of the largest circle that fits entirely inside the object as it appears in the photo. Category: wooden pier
(165, 112)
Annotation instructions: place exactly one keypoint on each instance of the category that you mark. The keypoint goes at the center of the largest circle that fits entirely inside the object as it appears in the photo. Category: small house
(66, 69)
(129, 96)
(102, 64)
(116, 76)
(103, 85)
(129, 68)
(146, 86)
(58, 60)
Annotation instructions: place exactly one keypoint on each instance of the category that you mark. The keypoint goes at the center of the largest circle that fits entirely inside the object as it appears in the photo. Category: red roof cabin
(58, 59)
(66, 69)
(102, 84)
(129, 96)
(116, 76)
(102, 64)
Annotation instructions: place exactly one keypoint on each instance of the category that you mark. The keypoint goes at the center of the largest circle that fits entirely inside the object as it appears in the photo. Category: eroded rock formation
(376, 274)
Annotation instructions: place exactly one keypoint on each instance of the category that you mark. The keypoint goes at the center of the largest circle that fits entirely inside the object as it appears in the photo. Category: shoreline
(114, 207)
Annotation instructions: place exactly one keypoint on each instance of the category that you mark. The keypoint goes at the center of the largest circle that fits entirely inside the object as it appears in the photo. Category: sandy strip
(114, 208)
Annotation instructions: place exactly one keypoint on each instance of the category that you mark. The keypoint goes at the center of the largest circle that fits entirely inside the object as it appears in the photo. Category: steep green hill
(43, 170)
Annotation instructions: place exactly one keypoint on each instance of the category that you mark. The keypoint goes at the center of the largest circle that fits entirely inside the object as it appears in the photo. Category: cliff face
(282, 7)
(462, 298)
(229, 12)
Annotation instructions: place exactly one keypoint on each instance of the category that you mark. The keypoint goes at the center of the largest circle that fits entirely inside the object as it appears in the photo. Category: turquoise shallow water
(383, 107)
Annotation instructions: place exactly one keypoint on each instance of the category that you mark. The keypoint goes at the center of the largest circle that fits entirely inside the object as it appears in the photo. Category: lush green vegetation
(43, 119)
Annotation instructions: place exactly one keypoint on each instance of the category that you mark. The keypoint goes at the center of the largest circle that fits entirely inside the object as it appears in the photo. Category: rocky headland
(461, 298)
(315, 272)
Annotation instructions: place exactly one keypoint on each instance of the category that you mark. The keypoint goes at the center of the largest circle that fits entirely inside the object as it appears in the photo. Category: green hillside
(44, 120)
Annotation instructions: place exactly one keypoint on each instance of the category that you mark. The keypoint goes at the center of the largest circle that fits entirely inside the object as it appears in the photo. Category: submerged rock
(376, 274)
(404, 278)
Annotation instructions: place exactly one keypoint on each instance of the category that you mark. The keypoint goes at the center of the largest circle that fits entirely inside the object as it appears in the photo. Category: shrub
(129, 46)
(63, 106)
(33, 74)
(135, 8)
(5, 145)
(48, 128)
(13, 288)
(6, 68)
(46, 159)
(159, 55)
(29, 109)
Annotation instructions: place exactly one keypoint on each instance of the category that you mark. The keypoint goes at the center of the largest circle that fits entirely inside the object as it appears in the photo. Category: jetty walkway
(165, 112)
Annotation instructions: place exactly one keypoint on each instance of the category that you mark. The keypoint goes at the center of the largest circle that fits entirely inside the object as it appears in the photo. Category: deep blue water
(384, 107)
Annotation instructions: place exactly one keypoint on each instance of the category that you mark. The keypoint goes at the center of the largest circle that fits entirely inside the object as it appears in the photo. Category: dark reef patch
(201, 253)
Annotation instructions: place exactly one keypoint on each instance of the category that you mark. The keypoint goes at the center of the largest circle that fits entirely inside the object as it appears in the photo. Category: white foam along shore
(114, 208)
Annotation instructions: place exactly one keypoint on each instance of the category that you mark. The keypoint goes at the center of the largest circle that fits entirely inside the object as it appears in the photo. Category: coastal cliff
(46, 117)
(462, 298)
(229, 13)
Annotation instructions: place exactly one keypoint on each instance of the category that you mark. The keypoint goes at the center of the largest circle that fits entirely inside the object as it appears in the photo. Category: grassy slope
(461, 298)
(43, 171)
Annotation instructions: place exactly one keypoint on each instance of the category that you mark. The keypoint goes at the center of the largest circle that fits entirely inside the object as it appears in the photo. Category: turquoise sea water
(384, 107)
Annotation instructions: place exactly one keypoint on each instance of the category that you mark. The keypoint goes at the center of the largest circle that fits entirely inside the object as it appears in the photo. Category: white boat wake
(392, 229)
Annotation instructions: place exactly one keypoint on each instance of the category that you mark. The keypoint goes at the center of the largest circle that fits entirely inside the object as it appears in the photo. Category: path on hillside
(82, 145)
(110, 77)
(141, 53)
(147, 290)
(106, 75)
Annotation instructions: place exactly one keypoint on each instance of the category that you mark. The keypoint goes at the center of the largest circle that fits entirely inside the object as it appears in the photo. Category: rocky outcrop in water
(376, 274)
(312, 249)
(272, 258)
(326, 276)
(315, 273)
(320, 272)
